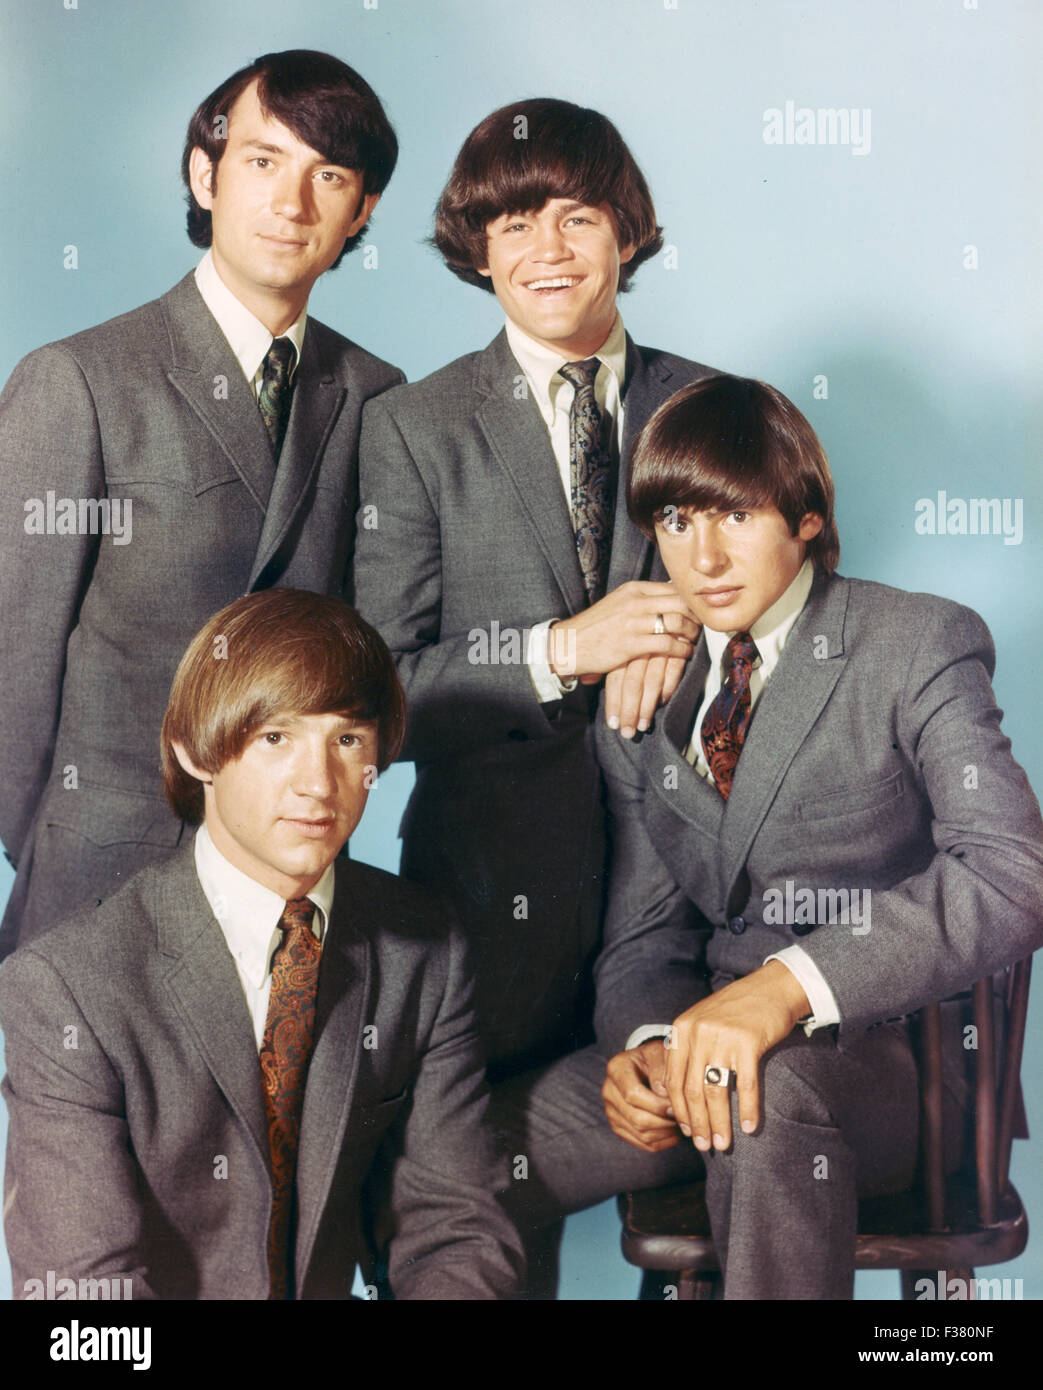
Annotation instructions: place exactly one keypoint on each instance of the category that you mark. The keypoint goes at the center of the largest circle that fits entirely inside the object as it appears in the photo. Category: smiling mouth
(551, 286)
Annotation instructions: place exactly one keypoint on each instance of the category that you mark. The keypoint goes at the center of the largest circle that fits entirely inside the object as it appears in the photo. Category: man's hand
(635, 1098)
(620, 627)
(732, 1028)
(635, 691)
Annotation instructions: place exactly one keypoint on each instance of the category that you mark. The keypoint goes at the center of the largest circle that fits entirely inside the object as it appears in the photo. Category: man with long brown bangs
(255, 1066)
(503, 571)
(824, 831)
(158, 466)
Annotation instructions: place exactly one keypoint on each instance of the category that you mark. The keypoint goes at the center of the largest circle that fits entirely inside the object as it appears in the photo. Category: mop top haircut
(531, 151)
(725, 444)
(278, 652)
(322, 101)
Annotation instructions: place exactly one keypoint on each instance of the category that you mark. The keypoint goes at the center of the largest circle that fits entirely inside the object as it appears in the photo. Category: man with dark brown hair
(255, 1066)
(220, 424)
(502, 569)
(824, 831)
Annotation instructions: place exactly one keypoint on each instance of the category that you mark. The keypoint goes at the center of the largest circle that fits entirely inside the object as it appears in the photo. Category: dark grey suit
(875, 762)
(138, 1145)
(464, 523)
(151, 407)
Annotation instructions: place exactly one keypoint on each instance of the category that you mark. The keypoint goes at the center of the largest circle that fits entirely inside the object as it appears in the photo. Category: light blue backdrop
(902, 275)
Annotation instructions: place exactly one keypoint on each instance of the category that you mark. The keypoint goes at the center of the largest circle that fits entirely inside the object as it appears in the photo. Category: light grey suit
(874, 762)
(151, 407)
(464, 524)
(138, 1145)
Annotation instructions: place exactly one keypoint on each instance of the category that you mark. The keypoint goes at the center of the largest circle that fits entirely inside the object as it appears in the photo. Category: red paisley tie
(284, 1065)
(726, 720)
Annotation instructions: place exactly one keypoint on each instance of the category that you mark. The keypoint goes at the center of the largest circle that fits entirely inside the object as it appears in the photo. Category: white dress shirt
(553, 396)
(769, 634)
(247, 336)
(248, 915)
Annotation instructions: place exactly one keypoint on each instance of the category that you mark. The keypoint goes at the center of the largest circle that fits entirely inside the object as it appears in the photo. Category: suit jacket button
(803, 928)
(737, 925)
(518, 735)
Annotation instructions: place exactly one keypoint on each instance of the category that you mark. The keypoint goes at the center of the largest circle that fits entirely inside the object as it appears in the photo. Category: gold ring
(660, 625)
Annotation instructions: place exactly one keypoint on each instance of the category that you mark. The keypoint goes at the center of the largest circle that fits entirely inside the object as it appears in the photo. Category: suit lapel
(342, 1011)
(677, 786)
(205, 987)
(517, 439)
(647, 386)
(811, 663)
(317, 399)
(202, 364)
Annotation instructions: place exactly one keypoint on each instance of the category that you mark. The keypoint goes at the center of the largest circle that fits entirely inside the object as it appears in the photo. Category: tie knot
(279, 359)
(298, 912)
(580, 374)
(740, 651)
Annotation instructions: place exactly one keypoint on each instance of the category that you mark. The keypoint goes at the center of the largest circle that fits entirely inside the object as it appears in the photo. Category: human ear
(181, 753)
(201, 177)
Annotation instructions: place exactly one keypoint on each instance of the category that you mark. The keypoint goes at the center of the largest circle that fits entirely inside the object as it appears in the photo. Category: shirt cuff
(824, 1011)
(646, 1033)
(546, 684)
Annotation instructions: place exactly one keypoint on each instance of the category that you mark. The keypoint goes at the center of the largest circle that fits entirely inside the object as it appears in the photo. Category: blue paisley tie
(276, 394)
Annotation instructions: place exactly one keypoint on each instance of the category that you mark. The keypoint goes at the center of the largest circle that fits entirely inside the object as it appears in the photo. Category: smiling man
(254, 1068)
(223, 422)
(503, 571)
(824, 831)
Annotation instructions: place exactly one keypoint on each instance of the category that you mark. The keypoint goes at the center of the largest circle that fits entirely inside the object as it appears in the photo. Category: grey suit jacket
(138, 1145)
(465, 537)
(150, 408)
(874, 762)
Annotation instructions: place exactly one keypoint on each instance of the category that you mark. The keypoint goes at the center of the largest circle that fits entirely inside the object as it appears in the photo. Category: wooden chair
(974, 1218)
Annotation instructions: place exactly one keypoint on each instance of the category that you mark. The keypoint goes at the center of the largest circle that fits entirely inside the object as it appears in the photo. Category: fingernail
(718, 1140)
(627, 732)
(670, 1111)
(613, 722)
(701, 1144)
(686, 1132)
(748, 1126)
(642, 724)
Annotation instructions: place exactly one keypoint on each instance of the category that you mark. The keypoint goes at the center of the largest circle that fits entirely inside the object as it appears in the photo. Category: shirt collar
(247, 336)
(540, 364)
(247, 912)
(772, 628)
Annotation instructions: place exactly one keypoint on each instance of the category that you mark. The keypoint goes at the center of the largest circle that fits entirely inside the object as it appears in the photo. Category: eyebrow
(263, 145)
(267, 148)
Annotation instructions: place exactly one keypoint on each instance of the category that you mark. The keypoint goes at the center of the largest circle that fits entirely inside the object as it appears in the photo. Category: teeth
(562, 282)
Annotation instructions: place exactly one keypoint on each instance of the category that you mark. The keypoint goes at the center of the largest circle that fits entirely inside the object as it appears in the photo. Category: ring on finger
(717, 1076)
(660, 625)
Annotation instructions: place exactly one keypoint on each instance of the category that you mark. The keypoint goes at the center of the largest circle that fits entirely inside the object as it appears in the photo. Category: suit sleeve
(456, 702)
(49, 442)
(442, 1224)
(976, 905)
(72, 1201)
(652, 961)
